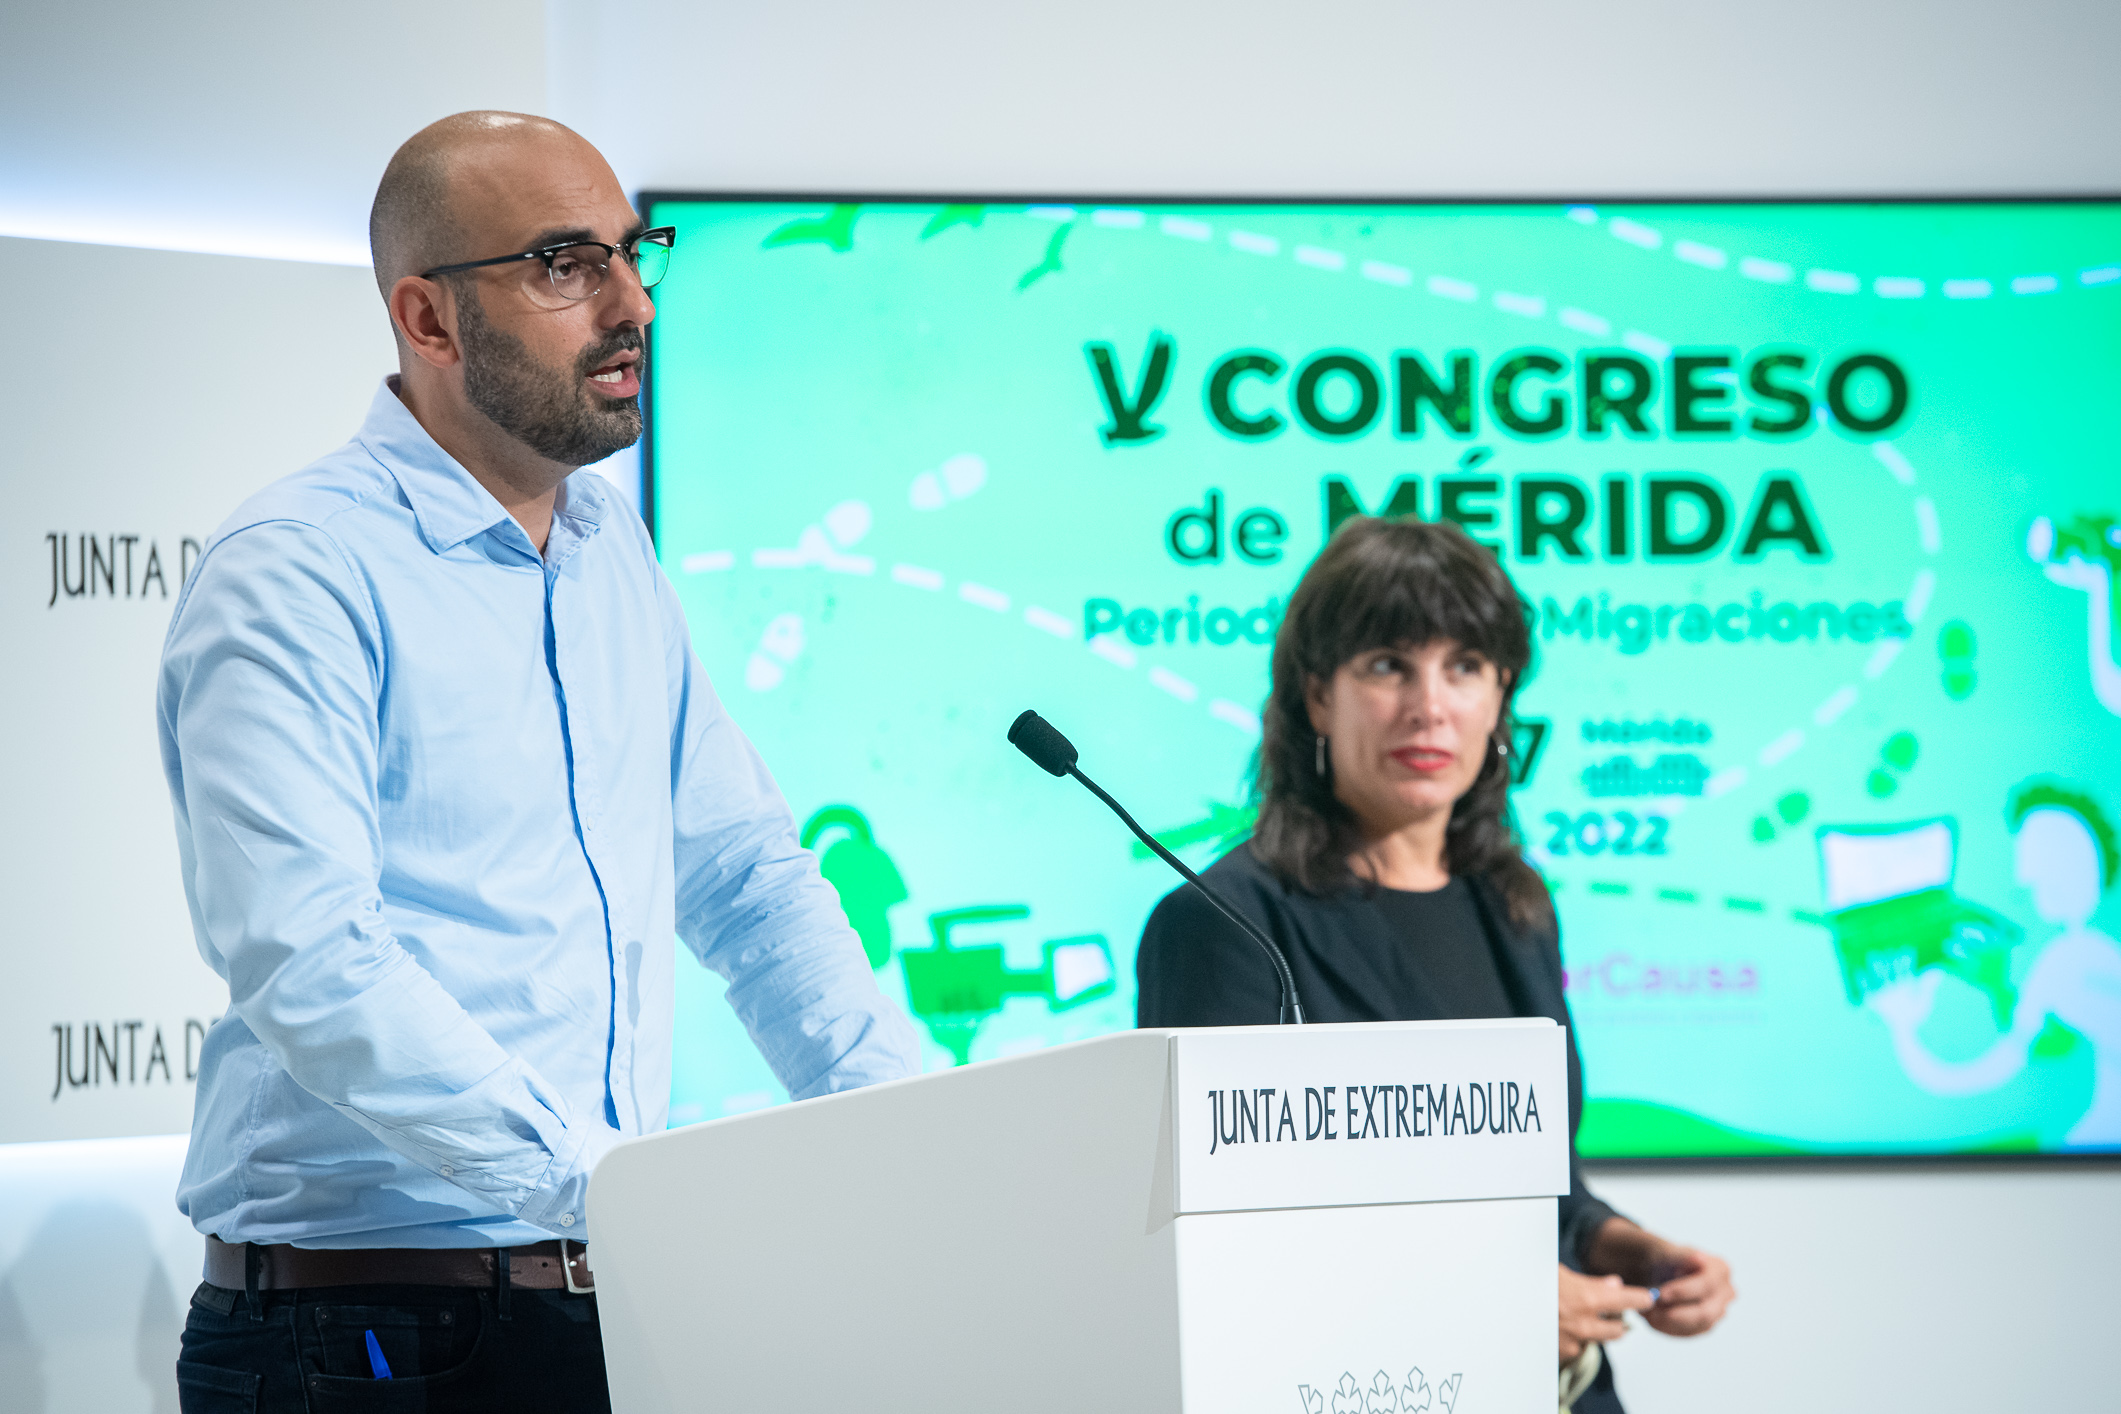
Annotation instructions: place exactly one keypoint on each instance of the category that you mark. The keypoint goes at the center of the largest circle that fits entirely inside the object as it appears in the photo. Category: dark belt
(541, 1266)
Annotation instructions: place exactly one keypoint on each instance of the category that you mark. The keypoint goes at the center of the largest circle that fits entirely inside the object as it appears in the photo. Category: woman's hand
(1693, 1287)
(1591, 1309)
(1694, 1290)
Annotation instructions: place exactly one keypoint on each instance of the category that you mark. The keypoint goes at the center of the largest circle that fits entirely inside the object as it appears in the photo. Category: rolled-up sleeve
(754, 909)
(269, 702)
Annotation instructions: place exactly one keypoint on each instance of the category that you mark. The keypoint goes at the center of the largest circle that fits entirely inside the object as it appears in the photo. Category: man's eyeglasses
(577, 269)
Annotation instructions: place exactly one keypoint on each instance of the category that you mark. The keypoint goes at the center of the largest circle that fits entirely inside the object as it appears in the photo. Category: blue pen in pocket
(376, 1362)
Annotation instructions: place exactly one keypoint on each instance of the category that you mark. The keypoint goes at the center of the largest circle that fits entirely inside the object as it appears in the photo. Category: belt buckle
(567, 1269)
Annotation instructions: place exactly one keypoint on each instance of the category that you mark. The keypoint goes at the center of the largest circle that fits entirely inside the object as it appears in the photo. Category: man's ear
(425, 313)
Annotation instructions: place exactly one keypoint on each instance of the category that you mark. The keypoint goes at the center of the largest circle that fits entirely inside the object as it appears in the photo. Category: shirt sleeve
(269, 699)
(754, 909)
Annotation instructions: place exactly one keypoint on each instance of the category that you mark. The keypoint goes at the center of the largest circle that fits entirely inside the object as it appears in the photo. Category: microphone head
(1036, 738)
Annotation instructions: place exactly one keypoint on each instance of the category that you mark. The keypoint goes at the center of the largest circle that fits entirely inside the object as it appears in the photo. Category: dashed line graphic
(1708, 257)
(981, 595)
(1832, 710)
(1168, 681)
(1892, 459)
(1231, 714)
(1614, 888)
(784, 639)
(1782, 747)
(1883, 658)
(1835, 282)
(1047, 621)
(1635, 233)
(1112, 653)
(914, 575)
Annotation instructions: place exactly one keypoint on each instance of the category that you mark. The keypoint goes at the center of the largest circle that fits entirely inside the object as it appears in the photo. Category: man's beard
(551, 412)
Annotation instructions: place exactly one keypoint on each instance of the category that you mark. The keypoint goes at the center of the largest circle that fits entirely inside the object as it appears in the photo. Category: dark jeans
(448, 1349)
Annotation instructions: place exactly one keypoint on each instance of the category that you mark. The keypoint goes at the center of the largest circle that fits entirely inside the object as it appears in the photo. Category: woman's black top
(1376, 955)
(1445, 966)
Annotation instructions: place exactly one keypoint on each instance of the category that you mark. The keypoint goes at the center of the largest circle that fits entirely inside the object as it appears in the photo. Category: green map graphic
(1813, 505)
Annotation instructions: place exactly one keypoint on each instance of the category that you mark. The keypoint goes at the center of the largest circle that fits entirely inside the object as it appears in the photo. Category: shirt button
(567, 1220)
(448, 1172)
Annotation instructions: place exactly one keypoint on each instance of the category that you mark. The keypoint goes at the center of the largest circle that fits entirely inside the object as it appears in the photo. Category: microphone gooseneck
(1055, 754)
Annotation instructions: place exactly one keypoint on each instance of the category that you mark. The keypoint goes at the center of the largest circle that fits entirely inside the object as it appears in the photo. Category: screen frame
(647, 199)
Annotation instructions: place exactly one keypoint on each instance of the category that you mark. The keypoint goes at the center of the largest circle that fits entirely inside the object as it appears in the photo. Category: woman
(1386, 864)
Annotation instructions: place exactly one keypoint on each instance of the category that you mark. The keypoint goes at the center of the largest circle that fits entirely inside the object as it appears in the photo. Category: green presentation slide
(1817, 507)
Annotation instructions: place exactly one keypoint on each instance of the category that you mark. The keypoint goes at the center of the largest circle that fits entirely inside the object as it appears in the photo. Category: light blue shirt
(442, 806)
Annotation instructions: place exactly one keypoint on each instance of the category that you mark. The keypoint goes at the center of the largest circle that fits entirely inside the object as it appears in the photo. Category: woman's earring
(1320, 758)
(1502, 748)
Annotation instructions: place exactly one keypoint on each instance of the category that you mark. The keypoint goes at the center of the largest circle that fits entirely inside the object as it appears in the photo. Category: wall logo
(1384, 1394)
(113, 566)
(127, 1054)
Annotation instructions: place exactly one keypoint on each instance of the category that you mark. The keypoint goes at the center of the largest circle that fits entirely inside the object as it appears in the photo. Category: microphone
(1038, 739)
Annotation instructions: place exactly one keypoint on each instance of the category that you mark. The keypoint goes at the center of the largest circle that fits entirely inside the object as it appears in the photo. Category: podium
(1332, 1219)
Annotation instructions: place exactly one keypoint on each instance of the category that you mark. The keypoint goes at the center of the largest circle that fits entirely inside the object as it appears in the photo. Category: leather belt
(541, 1266)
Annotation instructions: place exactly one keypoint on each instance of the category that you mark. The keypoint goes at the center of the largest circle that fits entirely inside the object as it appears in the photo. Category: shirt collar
(447, 501)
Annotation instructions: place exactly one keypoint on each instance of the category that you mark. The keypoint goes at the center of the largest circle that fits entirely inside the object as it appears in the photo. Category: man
(448, 778)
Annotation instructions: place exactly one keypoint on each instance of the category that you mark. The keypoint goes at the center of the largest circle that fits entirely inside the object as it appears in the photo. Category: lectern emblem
(1383, 1395)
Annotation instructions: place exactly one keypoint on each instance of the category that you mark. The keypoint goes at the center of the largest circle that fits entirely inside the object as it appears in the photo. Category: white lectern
(1343, 1219)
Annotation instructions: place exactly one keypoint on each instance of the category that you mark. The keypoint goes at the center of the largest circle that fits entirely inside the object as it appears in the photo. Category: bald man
(448, 781)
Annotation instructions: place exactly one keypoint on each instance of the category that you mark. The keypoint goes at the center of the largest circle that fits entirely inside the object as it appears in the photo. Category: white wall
(1548, 97)
(248, 128)
(1878, 1288)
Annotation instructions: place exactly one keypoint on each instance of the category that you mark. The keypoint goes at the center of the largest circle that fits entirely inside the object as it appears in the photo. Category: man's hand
(1694, 1290)
(1591, 1309)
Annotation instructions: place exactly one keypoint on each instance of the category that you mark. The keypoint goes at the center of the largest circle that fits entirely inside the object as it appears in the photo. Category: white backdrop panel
(167, 388)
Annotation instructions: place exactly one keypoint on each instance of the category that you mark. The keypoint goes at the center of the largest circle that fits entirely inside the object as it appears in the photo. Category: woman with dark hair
(1386, 864)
